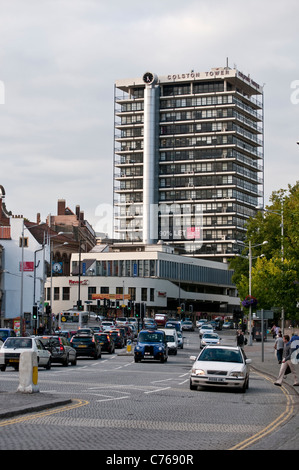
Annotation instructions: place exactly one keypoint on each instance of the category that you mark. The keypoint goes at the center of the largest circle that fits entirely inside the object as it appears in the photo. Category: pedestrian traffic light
(34, 312)
(48, 309)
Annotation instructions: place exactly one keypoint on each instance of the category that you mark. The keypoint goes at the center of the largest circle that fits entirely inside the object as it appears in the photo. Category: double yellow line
(77, 403)
(281, 419)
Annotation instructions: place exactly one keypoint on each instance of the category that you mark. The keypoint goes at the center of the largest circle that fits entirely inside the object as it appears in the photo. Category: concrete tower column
(149, 138)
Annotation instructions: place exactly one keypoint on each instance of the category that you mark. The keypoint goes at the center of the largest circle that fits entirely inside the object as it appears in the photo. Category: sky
(59, 60)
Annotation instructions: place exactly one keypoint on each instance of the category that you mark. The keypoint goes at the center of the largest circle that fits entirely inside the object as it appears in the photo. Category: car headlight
(160, 348)
(198, 371)
(239, 375)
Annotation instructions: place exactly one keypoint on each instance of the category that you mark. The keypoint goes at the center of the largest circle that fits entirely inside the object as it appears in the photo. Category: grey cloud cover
(60, 59)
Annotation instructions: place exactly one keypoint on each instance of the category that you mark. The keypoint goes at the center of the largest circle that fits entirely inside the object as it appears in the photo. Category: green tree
(275, 277)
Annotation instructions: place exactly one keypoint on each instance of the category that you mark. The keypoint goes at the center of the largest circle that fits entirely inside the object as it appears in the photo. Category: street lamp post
(22, 326)
(282, 248)
(250, 279)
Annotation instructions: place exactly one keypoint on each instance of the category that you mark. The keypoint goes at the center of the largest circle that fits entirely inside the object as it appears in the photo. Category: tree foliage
(275, 276)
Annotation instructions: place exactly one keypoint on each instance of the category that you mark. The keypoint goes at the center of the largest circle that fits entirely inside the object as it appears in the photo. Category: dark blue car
(151, 345)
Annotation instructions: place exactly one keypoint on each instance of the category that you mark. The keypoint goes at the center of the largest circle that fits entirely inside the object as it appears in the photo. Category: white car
(107, 325)
(180, 339)
(199, 323)
(13, 347)
(216, 366)
(206, 328)
(122, 321)
(209, 339)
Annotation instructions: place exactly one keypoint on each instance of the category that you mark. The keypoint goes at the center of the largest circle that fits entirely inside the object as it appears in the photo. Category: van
(161, 319)
(171, 340)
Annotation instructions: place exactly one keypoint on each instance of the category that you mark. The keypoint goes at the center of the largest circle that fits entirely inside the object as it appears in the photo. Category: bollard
(129, 346)
(28, 372)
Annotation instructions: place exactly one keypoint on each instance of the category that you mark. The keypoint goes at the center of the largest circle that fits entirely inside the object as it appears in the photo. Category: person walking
(278, 346)
(240, 339)
(286, 362)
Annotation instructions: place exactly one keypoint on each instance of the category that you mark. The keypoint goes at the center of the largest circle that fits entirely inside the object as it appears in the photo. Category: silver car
(209, 339)
(225, 366)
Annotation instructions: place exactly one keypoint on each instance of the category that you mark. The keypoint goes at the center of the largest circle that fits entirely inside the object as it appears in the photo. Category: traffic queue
(65, 346)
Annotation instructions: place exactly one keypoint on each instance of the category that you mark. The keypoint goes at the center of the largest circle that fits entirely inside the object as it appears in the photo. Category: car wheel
(193, 387)
(74, 362)
(66, 362)
(48, 365)
(3, 368)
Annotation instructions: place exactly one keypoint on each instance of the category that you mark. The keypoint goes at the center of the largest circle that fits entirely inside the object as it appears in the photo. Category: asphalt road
(123, 405)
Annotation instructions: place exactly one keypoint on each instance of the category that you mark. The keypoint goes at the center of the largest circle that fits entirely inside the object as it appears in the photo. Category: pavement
(15, 403)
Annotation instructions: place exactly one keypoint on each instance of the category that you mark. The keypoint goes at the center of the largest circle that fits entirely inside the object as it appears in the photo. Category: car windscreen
(102, 337)
(220, 355)
(170, 338)
(81, 339)
(47, 342)
(149, 337)
(210, 335)
(18, 343)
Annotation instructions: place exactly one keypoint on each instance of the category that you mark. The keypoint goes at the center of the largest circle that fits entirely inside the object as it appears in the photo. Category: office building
(188, 160)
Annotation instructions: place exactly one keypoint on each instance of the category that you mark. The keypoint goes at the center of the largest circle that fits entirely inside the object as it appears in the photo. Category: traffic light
(34, 312)
(182, 308)
(117, 304)
(137, 310)
(48, 309)
(79, 305)
(129, 305)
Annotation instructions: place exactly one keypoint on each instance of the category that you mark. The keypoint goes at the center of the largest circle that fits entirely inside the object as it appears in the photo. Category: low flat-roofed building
(152, 275)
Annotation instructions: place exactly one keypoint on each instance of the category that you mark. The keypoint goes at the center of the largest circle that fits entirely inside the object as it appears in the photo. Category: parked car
(13, 347)
(117, 336)
(220, 366)
(187, 325)
(151, 344)
(206, 328)
(209, 339)
(86, 344)
(180, 340)
(106, 341)
(228, 325)
(60, 349)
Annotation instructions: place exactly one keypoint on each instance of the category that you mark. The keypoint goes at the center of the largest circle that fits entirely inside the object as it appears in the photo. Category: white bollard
(28, 372)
